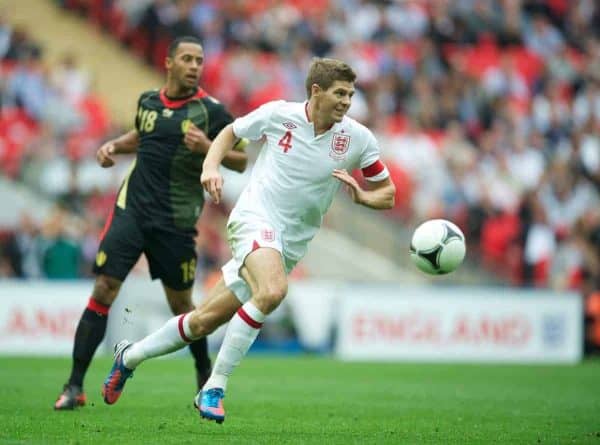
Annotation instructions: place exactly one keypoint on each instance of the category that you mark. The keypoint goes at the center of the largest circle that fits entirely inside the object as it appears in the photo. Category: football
(437, 247)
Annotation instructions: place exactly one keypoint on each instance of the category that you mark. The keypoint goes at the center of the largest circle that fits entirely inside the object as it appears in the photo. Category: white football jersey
(291, 184)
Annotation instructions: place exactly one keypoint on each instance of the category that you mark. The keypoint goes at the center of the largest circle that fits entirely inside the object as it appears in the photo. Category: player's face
(336, 100)
(186, 66)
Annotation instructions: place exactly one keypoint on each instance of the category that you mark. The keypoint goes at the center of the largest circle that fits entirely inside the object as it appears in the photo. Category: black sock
(89, 334)
(199, 350)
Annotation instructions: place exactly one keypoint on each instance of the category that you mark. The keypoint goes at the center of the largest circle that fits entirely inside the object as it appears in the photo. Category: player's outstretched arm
(237, 159)
(219, 147)
(211, 179)
(380, 195)
(126, 143)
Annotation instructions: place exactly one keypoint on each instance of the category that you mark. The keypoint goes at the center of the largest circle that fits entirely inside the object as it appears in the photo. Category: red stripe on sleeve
(181, 331)
(248, 319)
(97, 307)
(373, 170)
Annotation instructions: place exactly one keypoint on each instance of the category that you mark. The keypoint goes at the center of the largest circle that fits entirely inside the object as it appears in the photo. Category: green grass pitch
(280, 400)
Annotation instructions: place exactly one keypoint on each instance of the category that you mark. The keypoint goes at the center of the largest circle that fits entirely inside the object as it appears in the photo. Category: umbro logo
(289, 125)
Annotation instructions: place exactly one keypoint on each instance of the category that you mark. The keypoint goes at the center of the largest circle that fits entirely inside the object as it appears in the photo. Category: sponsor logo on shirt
(339, 146)
(289, 125)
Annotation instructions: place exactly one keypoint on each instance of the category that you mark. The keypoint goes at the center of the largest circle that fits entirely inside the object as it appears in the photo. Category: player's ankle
(127, 362)
(216, 381)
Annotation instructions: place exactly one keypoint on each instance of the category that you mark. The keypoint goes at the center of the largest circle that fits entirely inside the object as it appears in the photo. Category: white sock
(174, 335)
(241, 333)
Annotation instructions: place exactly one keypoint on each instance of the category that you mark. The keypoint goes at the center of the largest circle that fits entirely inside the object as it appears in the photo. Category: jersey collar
(177, 103)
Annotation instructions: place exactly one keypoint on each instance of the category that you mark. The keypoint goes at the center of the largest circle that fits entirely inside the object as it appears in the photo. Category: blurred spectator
(505, 80)
(26, 87)
(133, 9)
(586, 106)
(20, 45)
(417, 153)
(26, 262)
(540, 245)
(565, 197)
(69, 80)
(543, 38)
(526, 164)
(182, 25)
(61, 254)
(550, 110)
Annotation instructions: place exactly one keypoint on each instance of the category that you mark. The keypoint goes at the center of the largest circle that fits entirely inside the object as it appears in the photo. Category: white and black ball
(437, 247)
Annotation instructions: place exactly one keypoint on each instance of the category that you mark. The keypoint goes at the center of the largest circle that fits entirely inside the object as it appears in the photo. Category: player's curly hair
(324, 72)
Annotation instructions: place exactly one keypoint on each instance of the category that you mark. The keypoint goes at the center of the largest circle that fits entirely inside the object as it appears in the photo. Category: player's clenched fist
(212, 181)
(104, 155)
(196, 140)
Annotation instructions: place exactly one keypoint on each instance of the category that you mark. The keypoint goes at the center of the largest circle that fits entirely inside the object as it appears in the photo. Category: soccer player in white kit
(308, 149)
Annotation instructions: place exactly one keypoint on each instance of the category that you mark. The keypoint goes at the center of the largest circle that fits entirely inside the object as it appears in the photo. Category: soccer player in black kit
(157, 205)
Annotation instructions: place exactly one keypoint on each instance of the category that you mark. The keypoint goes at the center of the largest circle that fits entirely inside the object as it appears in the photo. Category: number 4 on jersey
(286, 141)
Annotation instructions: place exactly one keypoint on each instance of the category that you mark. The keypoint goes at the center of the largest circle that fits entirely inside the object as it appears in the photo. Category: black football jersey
(163, 184)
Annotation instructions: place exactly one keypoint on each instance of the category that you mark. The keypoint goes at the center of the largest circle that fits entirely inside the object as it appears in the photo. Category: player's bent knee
(271, 296)
(106, 290)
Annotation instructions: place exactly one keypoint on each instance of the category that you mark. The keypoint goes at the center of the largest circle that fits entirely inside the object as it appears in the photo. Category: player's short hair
(324, 72)
(183, 39)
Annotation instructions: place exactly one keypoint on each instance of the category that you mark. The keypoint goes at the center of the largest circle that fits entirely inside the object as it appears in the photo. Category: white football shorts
(247, 232)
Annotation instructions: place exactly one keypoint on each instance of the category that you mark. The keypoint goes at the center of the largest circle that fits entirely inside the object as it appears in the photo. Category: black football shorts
(171, 255)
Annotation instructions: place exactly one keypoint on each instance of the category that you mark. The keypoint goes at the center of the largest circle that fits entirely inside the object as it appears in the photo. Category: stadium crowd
(487, 112)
